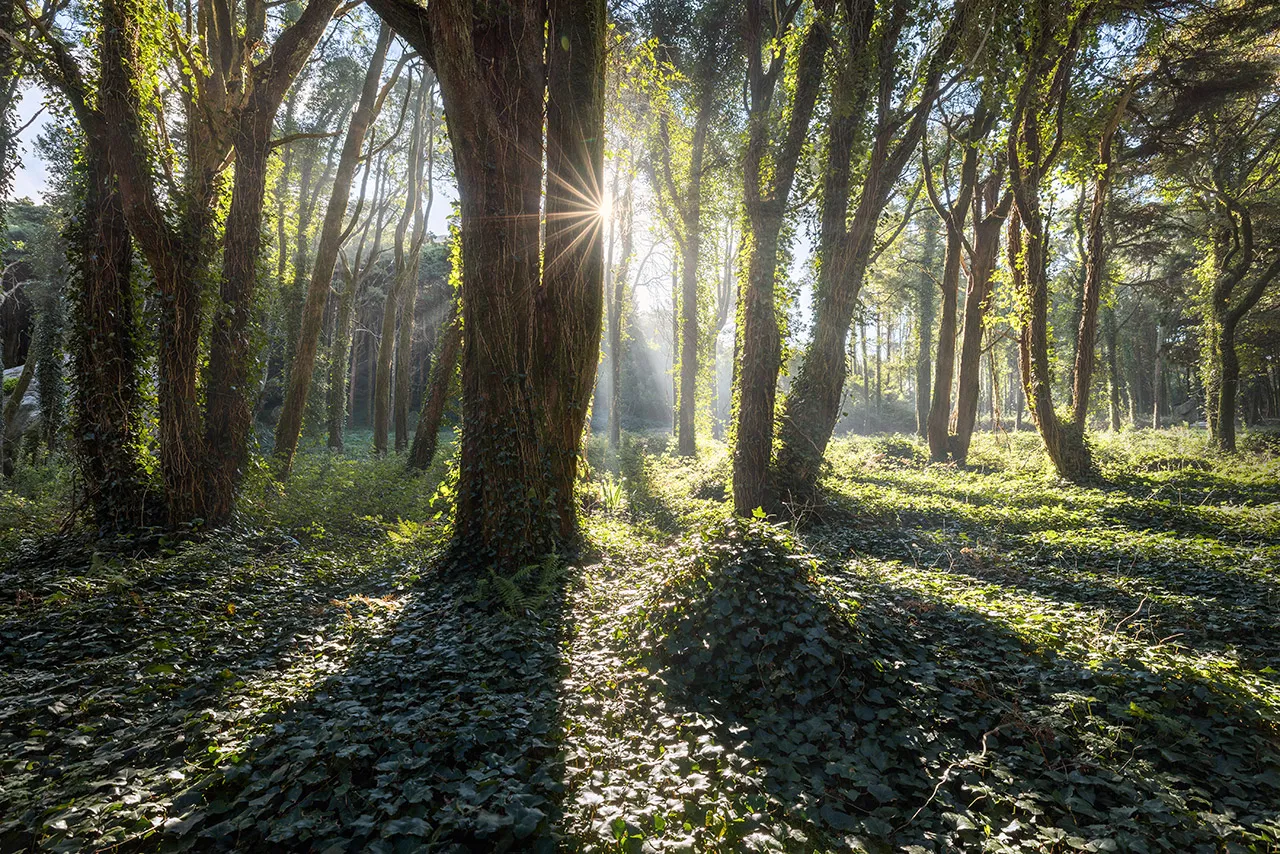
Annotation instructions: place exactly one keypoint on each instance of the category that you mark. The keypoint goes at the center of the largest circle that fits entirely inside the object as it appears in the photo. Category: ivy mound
(746, 631)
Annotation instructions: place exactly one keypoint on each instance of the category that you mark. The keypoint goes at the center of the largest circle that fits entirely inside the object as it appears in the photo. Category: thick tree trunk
(529, 345)
(440, 386)
(1064, 439)
(759, 361)
(813, 407)
(289, 427)
(104, 360)
(175, 256)
(228, 406)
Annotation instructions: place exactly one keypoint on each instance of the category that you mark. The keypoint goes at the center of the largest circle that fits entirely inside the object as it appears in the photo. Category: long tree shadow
(878, 717)
(445, 732)
(1204, 592)
(118, 681)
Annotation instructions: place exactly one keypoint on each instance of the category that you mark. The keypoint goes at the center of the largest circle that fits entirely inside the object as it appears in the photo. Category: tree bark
(989, 216)
(104, 362)
(529, 342)
(570, 302)
(228, 405)
(289, 427)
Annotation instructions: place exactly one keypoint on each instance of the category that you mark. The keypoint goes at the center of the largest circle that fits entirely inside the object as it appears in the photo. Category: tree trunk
(813, 407)
(289, 427)
(691, 213)
(104, 361)
(403, 359)
(227, 410)
(986, 247)
(1228, 386)
(569, 304)
(924, 298)
(1157, 381)
(618, 304)
(443, 369)
(338, 365)
(760, 342)
(1112, 335)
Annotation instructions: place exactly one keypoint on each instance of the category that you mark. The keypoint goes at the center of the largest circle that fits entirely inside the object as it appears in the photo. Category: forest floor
(938, 659)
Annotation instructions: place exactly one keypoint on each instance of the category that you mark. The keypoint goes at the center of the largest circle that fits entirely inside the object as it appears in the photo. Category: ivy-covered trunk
(106, 434)
(766, 194)
(228, 407)
(813, 407)
(570, 302)
(1223, 425)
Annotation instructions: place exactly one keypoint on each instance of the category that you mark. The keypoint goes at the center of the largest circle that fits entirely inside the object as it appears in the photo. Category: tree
(695, 40)
(408, 252)
(332, 235)
(769, 169)
(1215, 122)
(954, 211)
(846, 247)
(529, 340)
(230, 102)
(1049, 56)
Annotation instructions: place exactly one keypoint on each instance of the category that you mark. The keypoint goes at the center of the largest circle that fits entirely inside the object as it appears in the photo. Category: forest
(640, 425)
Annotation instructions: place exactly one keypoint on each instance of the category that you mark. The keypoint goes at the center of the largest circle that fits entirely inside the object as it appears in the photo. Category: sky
(31, 178)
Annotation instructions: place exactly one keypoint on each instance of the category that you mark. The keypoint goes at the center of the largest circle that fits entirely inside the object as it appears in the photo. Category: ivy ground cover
(931, 659)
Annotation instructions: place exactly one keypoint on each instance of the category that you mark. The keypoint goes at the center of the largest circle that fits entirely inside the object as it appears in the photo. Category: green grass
(937, 659)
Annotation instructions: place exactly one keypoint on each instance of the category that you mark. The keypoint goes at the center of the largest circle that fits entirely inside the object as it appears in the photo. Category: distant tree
(1214, 122)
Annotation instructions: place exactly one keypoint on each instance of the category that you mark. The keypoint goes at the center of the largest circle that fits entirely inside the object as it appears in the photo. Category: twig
(946, 774)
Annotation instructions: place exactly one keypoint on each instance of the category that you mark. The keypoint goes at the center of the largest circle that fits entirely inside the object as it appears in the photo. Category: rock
(27, 419)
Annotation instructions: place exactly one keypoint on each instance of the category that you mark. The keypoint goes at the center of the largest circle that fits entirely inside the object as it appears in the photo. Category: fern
(527, 589)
